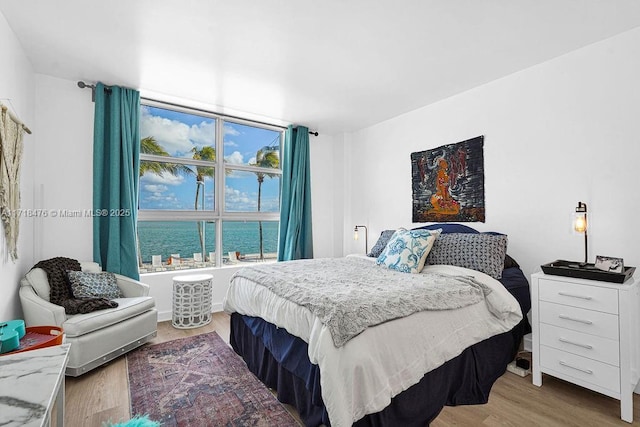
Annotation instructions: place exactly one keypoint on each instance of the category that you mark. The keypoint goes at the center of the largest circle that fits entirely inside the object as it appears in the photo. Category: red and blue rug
(200, 381)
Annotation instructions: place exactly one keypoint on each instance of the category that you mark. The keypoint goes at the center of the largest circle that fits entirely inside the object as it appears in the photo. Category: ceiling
(333, 65)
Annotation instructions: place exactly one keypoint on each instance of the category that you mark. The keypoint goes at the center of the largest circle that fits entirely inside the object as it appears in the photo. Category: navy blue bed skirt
(280, 361)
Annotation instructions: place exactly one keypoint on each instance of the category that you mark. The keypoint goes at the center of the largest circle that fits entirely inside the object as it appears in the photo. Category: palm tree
(204, 153)
(149, 145)
(266, 157)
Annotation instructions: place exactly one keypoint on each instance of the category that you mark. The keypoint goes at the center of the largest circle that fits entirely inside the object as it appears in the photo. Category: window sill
(203, 269)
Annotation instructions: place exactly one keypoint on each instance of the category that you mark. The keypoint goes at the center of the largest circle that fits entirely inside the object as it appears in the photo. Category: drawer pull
(586, 371)
(565, 317)
(566, 294)
(587, 346)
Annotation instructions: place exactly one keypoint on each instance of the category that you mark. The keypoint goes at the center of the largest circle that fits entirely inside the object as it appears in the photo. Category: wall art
(11, 147)
(448, 183)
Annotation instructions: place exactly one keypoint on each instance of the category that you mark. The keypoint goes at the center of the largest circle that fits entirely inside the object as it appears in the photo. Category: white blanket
(349, 294)
(362, 376)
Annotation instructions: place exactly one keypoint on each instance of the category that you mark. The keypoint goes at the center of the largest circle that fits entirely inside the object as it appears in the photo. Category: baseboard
(166, 316)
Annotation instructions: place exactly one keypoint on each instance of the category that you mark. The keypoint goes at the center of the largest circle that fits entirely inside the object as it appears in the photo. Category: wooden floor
(103, 395)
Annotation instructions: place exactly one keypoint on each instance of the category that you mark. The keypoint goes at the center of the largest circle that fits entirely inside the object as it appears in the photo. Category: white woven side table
(191, 301)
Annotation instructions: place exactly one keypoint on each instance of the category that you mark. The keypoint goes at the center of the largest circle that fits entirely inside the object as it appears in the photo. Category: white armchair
(95, 337)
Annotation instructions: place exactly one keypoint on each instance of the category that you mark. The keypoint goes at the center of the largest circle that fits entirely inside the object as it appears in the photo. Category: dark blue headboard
(449, 228)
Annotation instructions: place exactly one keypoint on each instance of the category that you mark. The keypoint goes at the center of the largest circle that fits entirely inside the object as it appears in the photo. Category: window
(200, 209)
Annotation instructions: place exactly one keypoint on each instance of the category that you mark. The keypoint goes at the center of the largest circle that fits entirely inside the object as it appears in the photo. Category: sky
(178, 134)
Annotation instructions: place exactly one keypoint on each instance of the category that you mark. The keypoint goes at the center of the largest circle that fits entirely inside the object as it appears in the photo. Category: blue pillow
(94, 285)
(449, 228)
(377, 249)
(478, 251)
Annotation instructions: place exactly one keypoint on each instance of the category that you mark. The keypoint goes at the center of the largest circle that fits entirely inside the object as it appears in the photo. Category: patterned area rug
(200, 381)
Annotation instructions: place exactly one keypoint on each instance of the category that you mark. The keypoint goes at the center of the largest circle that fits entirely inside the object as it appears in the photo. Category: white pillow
(407, 250)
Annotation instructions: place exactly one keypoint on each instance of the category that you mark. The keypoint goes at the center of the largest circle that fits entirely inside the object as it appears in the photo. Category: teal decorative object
(137, 421)
(10, 334)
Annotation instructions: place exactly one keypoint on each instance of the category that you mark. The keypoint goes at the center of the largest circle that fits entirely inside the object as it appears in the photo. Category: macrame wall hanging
(11, 133)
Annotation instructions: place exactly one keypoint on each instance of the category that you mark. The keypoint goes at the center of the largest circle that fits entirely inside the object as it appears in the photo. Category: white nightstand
(587, 332)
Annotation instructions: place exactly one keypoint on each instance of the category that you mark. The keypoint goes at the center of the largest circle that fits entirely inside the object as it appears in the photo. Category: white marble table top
(29, 382)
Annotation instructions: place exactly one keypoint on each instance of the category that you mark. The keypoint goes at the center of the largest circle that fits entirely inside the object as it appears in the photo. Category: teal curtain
(295, 239)
(116, 162)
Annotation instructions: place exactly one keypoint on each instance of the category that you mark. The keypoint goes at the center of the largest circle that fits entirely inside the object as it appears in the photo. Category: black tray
(586, 271)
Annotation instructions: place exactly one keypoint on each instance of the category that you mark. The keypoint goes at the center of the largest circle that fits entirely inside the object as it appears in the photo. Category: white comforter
(362, 376)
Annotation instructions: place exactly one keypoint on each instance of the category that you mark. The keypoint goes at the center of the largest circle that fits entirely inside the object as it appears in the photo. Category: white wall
(64, 169)
(17, 84)
(563, 131)
(326, 204)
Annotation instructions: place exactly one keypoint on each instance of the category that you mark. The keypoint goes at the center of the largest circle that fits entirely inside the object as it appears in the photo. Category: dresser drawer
(591, 371)
(578, 319)
(591, 346)
(583, 296)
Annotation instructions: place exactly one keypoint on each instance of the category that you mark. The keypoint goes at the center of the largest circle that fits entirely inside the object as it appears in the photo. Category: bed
(401, 371)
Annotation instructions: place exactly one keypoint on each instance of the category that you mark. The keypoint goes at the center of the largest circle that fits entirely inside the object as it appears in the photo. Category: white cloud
(173, 136)
(203, 134)
(237, 200)
(176, 137)
(240, 201)
(230, 144)
(154, 188)
(164, 180)
(235, 158)
(235, 195)
(235, 174)
(228, 130)
(252, 161)
(159, 199)
(270, 204)
(164, 203)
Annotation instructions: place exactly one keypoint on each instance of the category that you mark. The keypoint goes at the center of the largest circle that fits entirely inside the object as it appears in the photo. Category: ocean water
(181, 237)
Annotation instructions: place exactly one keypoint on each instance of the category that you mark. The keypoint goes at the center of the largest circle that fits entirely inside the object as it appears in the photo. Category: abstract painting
(448, 183)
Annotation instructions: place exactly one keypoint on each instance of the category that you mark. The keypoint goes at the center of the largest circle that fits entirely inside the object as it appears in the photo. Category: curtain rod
(83, 85)
(13, 116)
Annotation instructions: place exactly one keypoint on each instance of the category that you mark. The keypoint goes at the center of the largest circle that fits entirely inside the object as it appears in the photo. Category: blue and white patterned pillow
(94, 285)
(482, 252)
(407, 250)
